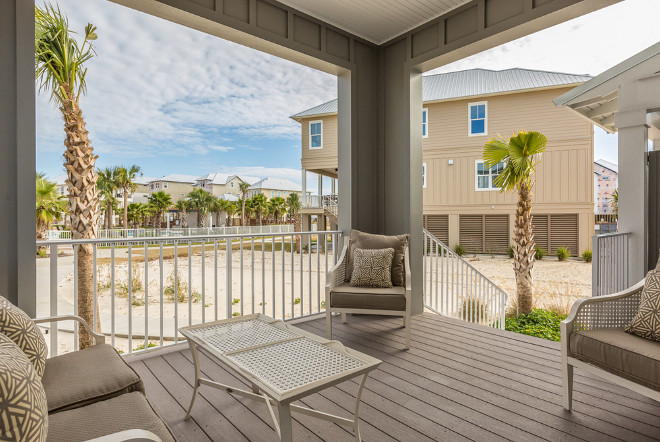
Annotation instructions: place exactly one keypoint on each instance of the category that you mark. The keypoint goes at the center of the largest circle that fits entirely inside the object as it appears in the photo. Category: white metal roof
(144, 179)
(377, 21)
(60, 180)
(229, 197)
(276, 184)
(607, 165)
(473, 83)
(177, 178)
(223, 178)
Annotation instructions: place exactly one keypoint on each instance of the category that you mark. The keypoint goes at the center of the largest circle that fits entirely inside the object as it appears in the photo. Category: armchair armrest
(337, 274)
(408, 279)
(99, 338)
(128, 436)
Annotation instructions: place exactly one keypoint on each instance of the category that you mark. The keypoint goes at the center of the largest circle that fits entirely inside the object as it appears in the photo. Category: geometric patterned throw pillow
(646, 322)
(372, 268)
(18, 326)
(23, 408)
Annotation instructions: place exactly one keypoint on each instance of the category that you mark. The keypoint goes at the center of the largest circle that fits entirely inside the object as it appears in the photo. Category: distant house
(273, 187)
(176, 185)
(220, 184)
(605, 183)
(463, 110)
(60, 180)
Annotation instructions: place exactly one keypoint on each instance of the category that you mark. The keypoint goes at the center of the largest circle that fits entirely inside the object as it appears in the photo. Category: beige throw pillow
(372, 268)
(646, 322)
(18, 326)
(361, 240)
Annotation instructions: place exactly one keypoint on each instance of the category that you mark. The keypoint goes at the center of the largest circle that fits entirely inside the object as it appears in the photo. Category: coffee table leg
(193, 349)
(286, 427)
(356, 417)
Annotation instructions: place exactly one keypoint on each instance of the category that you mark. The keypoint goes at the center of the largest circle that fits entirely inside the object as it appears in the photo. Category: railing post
(53, 299)
(595, 265)
(228, 287)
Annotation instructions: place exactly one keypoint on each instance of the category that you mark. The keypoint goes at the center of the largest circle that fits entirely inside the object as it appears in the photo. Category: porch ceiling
(377, 21)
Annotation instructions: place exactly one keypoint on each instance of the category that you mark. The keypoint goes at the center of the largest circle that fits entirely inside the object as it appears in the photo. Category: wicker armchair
(336, 277)
(592, 339)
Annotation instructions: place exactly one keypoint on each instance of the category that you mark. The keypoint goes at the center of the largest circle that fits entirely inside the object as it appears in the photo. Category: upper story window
(272, 193)
(231, 184)
(424, 175)
(425, 123)
(485, 178)
(478, 118)
(316, 134)
(164, 185)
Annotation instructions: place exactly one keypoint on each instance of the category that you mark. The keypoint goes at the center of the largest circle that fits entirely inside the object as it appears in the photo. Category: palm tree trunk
(80, 163)
(125, 208)
(184, 219)
(524, 248)
(108, 214)
(243, 211)
(297, 225)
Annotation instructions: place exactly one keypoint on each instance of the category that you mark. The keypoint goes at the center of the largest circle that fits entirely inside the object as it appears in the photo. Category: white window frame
(164, 185)
(310, 134)
(424, 175)
(425, 134)
(476, 179)
(477, 103)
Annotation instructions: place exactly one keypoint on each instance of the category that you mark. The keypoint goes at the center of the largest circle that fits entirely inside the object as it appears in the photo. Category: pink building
(605, 183)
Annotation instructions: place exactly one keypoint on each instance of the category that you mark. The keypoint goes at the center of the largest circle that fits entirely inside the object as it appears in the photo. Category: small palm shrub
(563, 253)
(586, 255)
(509, 251)
(540, 252)
(179, 292)
(459, 249)
(473, 308)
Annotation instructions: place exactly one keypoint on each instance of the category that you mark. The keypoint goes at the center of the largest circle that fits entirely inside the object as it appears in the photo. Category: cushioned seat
(125, 412)
(629, 356)
(346, 296)
(83, 377)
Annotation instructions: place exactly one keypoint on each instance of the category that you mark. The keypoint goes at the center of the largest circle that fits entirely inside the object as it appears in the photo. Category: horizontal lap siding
(325, 158)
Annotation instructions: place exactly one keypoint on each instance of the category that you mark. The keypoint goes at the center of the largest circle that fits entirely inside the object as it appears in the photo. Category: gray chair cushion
(83, 377)
(125, 412)
(345, 296)
(646, 322)
(23, 409)
(372, 268)
(629, 356)
(18, 326)
(361, 240)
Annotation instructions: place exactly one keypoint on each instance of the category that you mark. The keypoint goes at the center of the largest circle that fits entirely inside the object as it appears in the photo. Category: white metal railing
(324, 201)
(186, 280)
(610, 263)
(454, 288)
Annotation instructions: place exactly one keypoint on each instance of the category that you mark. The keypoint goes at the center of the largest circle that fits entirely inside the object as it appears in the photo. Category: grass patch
(540, 323)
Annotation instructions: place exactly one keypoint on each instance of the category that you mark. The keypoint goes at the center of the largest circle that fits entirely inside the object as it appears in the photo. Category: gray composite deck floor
(457, 382)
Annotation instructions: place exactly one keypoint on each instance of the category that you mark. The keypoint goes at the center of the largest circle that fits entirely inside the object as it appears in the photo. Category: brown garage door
(484, 233)
(556, 230)
(438, 225)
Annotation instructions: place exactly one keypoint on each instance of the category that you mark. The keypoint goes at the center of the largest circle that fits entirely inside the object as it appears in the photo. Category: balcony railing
(610, 263)
(146, 288)
(454, 288)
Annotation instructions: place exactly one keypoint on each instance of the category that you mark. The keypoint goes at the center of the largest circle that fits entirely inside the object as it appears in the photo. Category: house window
(272, 193)
(278, 193)
(316, 134)
(424, 175)
(478, 118)
(485, 178)
(425, 123)
(164, 185)
(231, 184)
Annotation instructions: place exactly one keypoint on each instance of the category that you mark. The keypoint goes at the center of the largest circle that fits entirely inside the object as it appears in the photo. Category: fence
(454, 288)
(610, 263)
(144, 292)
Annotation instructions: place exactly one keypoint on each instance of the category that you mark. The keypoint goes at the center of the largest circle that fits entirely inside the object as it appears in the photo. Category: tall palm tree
(250, 211)
(60, 70)
(200, 201)
(293, 207)
(230, 210)
(520, 155)
(183, 206)
(126, 181)
(107, 184)
(136, 213)
(49, 205)
(218, 207)
(243, 187)
(159, 201)
(260, 205)
(278, 206)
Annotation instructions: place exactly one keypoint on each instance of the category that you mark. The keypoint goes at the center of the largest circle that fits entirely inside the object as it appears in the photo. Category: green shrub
(540, 323)
(586, 255)
(236, 314)
(473, 308)
(540, 252)
(296, 301)
(459, 249)
(141, 346)
(563, 253)
(42, 252)
(235, 301)
(509, 251)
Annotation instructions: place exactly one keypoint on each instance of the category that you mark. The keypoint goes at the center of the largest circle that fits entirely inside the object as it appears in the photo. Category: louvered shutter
(496, 233)
(540, 228)
(564, 232)
(471, 232)
(438, 225)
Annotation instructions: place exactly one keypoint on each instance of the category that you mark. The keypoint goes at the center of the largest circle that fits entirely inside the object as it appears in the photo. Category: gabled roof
(607, 165)
(144, 179)
(229, 197)
(473, 83)
(177, 178)
(276, 184)
(223, 178)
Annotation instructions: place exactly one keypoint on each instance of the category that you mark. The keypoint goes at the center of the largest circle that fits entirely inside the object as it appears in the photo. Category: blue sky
(175, 100)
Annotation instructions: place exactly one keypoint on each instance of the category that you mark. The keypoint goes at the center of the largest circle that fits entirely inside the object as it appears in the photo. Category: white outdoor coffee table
(283, 363)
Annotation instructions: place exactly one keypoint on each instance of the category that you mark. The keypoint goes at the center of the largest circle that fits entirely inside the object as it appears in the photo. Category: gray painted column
(319, 189)
(633, 194)
(17, 154)
(304, 187)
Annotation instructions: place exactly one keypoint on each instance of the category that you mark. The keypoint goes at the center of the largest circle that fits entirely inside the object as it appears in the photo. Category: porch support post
(17, 155)
(320, 188)
(633, 192)
(304, 188)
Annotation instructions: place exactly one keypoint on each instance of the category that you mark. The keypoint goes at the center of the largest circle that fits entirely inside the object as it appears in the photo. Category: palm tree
(250, 211)
(182, 206)
(218, 207)
(243, 187)
(107, 184)
(293, 207)
(260, 205)
(60, 70)
(278, 206)
(136, 213)
(126, 181)
(519, 156)
(200, 201)
(230, 210)
(49, 205)
(614, 202)
(159, 201)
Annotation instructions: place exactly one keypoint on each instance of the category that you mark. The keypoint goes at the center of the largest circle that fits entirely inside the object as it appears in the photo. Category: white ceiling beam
(594, 100)
(607, 121)
(604, 109)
